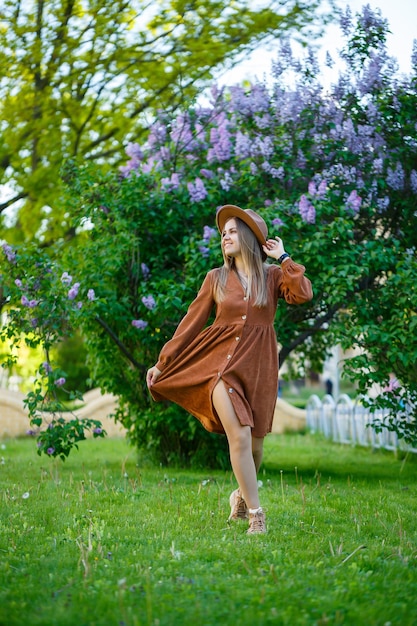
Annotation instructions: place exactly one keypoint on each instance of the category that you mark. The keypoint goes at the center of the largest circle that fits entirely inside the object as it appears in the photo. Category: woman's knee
(239, 436)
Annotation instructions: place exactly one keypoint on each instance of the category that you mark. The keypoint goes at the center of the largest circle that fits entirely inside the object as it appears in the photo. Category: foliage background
(333, 172)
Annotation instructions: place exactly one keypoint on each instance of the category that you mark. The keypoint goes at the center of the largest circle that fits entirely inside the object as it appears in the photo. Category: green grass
(103, 539)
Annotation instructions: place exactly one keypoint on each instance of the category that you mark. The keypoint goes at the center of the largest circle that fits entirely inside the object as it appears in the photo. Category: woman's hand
(274, 248)
(152, 376)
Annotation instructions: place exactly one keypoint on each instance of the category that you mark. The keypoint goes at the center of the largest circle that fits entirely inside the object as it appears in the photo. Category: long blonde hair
(252, 259)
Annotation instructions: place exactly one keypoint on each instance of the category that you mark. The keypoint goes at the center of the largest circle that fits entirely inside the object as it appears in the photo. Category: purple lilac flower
(181, 133)
(253, 168)
(18, 282)
(267, 202)
(226, 182)
(371, 19)
(165, 153)
(208, 233)
(47, 368)
(414, 56)
(126, 170)
(206, 173)
(145, 270)
(277, 221)
(259, 99)
(204, 251)
(307, 210)
(151, 164)
(171, 183)
(91, 295)
(346, 21)
(175, 180)
(66, 279)
(221, 146)
(197, 190)
(79, 305)
(242, 145)
(97, 431)
(158, 134)
(373, 74)
(34, 322)
(312, 188)
(238, 100)
(141, 324)
(149, 302)
(382, 204)
(322, 188)
(354, 201)
(73, 292)
(413, 181)
(60, 381)
(377, 166)
(32, 304)
(301, 160)
(31, 433)
(263, 121)
(50, 451)
(329, 60)
(166, 183)
(134, 151)
(277, 172)
(395, 177)
(264, 147)
(8, 251)
(25, 301)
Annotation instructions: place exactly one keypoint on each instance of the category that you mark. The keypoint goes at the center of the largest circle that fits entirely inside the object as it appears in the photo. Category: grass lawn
(104, 539)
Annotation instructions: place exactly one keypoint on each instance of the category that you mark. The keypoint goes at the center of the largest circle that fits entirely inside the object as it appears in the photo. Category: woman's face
(230, 239)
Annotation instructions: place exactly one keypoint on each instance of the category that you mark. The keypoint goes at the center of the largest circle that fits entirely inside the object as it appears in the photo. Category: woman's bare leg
(240, 446)
(257, 451)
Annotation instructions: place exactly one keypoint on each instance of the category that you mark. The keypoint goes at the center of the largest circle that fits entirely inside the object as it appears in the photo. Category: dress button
(245, 298)
(229, 356)
(243, 317)
(237, 338)
(219, 373)
(230, 390)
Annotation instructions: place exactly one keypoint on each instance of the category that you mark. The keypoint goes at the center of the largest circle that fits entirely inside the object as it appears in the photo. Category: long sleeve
(191, 324)
(294, 287)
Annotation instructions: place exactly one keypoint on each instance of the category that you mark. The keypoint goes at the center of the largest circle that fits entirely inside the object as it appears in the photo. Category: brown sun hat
(251, 219)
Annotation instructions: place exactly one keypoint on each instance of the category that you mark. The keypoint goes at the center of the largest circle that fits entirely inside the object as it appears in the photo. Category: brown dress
(240, 347)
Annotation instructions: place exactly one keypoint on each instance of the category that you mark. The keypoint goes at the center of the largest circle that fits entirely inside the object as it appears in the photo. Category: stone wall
(14, 421)
(288, 418)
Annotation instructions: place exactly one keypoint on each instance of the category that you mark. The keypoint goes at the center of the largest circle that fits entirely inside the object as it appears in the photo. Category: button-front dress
(239, 347)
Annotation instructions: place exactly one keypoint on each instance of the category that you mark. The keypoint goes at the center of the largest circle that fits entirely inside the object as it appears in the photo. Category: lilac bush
(332, 171)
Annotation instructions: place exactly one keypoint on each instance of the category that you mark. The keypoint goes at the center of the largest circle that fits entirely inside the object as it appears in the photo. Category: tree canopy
(332, 171)
(79, 78)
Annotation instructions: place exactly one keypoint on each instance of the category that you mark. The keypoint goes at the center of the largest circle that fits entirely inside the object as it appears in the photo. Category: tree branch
(10, 201)
(120, 345)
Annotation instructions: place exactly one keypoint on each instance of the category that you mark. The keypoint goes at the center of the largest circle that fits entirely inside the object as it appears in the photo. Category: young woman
(226, 374)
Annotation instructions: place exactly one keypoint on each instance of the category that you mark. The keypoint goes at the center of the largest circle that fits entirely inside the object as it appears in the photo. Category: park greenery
(80, 78)
(332, 170)
(108, 539)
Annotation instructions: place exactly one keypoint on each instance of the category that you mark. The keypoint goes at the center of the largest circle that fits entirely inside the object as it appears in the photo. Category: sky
(402, 21)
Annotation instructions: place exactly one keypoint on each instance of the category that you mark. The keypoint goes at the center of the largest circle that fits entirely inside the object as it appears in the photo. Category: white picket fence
(348, 421)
